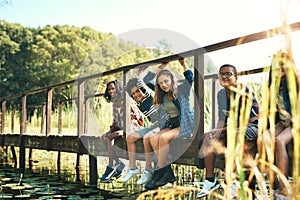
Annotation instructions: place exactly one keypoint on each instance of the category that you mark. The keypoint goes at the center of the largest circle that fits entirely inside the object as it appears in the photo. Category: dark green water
(15, 185)
(43, 182)
(33, 185)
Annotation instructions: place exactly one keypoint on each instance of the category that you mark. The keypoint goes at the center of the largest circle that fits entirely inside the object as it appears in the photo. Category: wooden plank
(92, 145)
(34, 141)
(63, 143)
(10, 139)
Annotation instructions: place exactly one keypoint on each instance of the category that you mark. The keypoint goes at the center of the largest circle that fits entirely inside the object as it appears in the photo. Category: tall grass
(261, 166)
(99, 119)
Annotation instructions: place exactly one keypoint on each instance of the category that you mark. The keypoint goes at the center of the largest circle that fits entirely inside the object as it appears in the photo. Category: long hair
(279, 61)
(118, 87)
(159, 93)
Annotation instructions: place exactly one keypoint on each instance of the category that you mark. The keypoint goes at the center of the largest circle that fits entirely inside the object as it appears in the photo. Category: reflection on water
(15, 185)
(32, 185)
(43, 182)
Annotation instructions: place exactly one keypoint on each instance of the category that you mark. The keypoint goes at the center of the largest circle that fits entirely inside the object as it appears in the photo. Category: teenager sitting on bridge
(113, 94)
(228, 79)
(143, 94)
(281, 79)
(176, 119)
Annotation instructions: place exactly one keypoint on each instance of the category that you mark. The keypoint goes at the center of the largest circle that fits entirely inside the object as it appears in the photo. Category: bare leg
(111, 152)
(154, 141)
(164, 145)
(148, 150)
(131, 139)
(110, 149)
(281, 154)
(209, 161)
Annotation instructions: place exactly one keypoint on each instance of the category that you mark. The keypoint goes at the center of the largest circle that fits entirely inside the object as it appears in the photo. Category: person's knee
(279, 144)
(103, 137)
(154, 139)
(131, 138)
(164, 139)
(146, 140)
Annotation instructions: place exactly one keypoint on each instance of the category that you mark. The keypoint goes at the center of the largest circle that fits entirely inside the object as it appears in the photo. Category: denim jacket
(182, 103)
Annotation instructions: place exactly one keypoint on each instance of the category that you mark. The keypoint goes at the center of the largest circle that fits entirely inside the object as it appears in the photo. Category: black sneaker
(119, 166)
(167, 177)
(151, 185)
(108, 174)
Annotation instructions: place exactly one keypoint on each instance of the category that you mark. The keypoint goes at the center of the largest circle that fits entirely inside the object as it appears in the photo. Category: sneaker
(119, 166)
(145, 177)
(130, 173)
(208, 187)
(233, 191)
(167, 177)
(108, 174)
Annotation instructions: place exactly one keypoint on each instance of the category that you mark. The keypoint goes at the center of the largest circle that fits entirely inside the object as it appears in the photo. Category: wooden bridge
(84, 143)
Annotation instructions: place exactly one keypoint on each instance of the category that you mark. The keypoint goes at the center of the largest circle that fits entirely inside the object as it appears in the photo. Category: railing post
(12, 120)
(214, 102)
(80, 108)
(60, 104)
(3, 110)
(80, 124)
(92, 159)
(59, 132)
(48, 111)
(199, 93)
(3, 115)
(86, 115)
(127, 110)
(12, 131)
(43, 118)
(93, 170)
(22, 151)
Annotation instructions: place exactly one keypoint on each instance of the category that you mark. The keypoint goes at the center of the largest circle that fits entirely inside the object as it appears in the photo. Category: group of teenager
(165, 104)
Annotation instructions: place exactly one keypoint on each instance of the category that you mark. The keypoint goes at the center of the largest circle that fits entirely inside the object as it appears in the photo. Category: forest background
(33, 58)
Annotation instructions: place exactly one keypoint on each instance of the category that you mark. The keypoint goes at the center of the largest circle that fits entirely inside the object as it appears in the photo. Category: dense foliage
(35, 58)
(32, 58)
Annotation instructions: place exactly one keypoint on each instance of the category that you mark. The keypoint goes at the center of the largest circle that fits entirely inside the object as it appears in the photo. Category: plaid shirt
(136, 115)
(186, 112)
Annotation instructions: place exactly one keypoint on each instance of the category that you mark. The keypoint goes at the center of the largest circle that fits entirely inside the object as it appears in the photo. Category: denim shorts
(144, 131)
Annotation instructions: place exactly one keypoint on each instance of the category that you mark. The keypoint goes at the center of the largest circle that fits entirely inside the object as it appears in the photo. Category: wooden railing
(83, 143)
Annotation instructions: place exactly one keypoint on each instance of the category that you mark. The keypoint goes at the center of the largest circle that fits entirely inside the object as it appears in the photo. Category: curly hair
(118, 87)
(130, 84)
(133, 83)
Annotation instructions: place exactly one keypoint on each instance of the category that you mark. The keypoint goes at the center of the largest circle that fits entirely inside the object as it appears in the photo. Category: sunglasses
(226, 74)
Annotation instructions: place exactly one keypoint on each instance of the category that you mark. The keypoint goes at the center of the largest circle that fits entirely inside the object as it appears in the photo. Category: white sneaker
(207, 188)
(130, 173)
(145, 177)
(233, 191)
